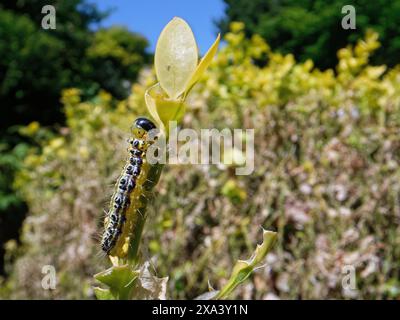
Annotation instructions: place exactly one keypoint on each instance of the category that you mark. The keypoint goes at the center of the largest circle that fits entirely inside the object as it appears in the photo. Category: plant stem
(152, 179)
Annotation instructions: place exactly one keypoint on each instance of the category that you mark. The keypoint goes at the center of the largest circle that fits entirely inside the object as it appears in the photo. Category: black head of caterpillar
(127, 182)
(142, 124)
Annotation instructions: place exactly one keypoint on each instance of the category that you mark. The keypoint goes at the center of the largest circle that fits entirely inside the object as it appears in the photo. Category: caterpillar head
(141, 127)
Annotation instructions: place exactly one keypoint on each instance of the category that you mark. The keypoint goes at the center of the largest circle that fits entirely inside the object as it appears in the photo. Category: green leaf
(162, 109)
(103, 294)
(119, 279)
(176, 57)
(243, 268)
(151, 104)
(203, 65)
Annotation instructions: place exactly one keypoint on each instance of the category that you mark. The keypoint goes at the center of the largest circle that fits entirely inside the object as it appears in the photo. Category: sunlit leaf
(176, 57)
(243, 268)
(151, 104)
(203, 65)
(162, 109)
(119, 279)
(103, 294)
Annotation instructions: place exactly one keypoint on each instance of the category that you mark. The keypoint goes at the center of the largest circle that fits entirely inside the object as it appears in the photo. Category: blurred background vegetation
(312, 29)
(324, 103)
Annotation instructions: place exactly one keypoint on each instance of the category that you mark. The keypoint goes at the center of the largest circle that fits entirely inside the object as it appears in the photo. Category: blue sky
(148, 17)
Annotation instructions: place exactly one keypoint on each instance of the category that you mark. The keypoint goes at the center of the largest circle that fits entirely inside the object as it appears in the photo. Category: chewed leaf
(243, 268)
(150, 286)
(203, 65)
(176, 57)
(119, 279)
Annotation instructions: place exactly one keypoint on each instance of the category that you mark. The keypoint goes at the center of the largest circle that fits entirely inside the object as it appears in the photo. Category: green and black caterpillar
(125, 201)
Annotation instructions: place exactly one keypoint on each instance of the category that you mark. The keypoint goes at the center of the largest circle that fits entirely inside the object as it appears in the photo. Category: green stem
(152, 179)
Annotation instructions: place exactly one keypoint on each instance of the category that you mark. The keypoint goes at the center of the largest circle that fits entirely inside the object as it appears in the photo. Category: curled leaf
(163, 110)
(203, 65)
(243, 268)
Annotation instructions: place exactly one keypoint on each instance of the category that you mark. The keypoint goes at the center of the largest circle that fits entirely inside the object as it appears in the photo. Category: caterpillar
(125, 203)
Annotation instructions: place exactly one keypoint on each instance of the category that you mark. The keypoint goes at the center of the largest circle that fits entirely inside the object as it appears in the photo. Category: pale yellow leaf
(203, 65)
(176, 57)
(163, 110)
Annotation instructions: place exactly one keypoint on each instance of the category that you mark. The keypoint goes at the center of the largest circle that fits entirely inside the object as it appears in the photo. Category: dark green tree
(312, 28)
(118, 55)
(36, 64)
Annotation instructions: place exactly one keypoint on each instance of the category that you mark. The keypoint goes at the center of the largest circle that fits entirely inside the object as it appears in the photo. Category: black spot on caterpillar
(125, 201)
